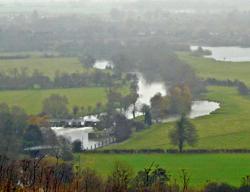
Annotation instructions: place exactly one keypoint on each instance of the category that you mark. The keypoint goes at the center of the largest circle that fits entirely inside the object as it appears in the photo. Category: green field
(31, 100)
(227, 128)
(209, 68)
(48, 66)
(228, 168)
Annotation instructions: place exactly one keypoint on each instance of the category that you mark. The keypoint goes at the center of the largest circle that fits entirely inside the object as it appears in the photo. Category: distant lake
(234, 54)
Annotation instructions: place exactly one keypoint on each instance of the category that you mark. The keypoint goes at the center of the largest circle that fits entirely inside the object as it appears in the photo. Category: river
(146, 91)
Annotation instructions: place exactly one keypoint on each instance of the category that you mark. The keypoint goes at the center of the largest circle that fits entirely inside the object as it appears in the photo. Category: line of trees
(20, 79)
(241, 86)
(177, 102)
(56, 106)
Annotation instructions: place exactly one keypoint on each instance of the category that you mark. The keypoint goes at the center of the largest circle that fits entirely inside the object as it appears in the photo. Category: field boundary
(169, 151)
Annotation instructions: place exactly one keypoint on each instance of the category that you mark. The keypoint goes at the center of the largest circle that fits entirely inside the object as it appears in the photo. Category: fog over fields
(125, 95)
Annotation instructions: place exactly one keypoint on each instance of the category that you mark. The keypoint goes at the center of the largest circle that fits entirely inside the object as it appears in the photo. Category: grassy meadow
(222, 70)
(228, 168)
(48, 66)
(227, 128)
(31, 100)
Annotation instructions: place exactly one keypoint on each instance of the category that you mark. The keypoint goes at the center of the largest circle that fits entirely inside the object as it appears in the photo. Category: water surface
(233, 54)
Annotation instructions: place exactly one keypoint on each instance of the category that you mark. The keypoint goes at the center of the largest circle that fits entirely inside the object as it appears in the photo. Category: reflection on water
(198, 109)
(147, 90)
(202, 108)
(234, 54)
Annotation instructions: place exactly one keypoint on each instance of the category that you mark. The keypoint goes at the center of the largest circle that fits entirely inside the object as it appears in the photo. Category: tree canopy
(183, 133)
(55, 106)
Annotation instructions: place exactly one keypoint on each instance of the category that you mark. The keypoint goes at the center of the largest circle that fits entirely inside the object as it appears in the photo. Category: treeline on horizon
(119, 28)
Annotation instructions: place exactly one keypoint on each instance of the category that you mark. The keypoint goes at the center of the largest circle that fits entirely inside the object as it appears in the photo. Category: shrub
(219, 187)
(77, 146)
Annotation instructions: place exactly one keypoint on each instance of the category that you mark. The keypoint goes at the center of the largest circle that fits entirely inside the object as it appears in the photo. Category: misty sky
(217, 3)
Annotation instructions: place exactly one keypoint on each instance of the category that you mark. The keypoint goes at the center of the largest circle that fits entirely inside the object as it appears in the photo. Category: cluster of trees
(177, 102)
(20, 79)
(201, 52)
(241, 86)
(18, 131)
(117, 109)
(117, 101)
(122, 126)
(44, 174)
(158, 62)
(88, 61)
(56, 106)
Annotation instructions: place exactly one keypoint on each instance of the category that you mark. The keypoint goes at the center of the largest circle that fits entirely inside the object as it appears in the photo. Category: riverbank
(226, 128)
